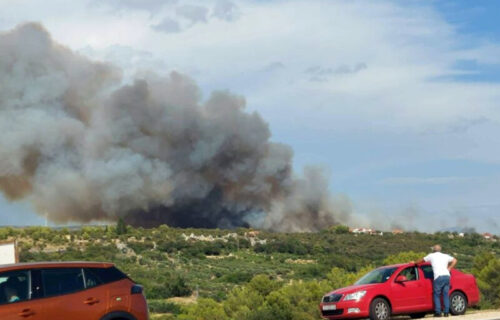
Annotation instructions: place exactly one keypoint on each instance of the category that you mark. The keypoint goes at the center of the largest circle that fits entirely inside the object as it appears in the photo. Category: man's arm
(422, 260)
(418, 261)
(452, 264)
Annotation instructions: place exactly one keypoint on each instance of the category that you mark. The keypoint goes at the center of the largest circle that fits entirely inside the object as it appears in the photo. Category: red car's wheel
(458, 303)
(380, 309)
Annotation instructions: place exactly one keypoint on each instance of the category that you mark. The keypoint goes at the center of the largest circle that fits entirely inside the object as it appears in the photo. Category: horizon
(458, 231)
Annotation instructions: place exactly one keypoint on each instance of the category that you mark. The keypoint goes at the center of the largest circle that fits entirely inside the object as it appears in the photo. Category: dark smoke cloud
(81, 146)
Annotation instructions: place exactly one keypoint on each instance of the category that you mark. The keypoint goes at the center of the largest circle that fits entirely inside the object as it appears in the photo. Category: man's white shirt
(439, 262)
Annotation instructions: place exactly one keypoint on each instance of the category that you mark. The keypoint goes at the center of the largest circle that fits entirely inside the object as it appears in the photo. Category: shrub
(236, 277)
(162, 306)
(340, 229)
(404, 257)
(487, 271)
(204, 309)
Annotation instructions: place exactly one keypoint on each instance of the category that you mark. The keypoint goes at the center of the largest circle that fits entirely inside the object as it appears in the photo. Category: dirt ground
(475, 315)
(480, 315)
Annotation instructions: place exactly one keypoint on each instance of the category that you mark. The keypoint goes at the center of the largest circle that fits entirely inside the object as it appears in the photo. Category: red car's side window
(410, 273)
(427, 270)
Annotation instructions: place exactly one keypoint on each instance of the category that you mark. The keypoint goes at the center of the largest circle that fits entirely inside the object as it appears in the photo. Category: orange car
(69, 291)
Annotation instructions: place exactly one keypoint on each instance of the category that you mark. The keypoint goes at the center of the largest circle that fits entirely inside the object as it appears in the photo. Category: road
(474, 315)
(480, 315)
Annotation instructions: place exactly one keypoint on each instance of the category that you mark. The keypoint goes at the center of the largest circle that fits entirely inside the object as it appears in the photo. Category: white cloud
(274, 66)
(319, 73)
(226, 10)
(151, 6)
(194, 14)
(132, 61)
(408, 181)
(167, 25)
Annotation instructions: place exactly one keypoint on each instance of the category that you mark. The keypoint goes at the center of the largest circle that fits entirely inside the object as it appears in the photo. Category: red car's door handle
(91, 301)
(26, 313)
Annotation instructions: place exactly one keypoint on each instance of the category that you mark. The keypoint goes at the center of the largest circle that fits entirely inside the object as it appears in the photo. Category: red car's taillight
(136, 289)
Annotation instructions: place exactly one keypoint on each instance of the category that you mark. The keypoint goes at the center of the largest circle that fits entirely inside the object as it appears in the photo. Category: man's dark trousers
(441, 286)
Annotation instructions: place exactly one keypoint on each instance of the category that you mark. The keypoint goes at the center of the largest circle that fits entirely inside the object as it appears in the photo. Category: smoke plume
(80, 145)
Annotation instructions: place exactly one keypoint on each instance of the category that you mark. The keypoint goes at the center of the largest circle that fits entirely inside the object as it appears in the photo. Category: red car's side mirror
(401, 279)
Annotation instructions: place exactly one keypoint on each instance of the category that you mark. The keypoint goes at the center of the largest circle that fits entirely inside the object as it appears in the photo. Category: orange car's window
(98, 276)
(91, 279)
(62, 281)
(14, 286)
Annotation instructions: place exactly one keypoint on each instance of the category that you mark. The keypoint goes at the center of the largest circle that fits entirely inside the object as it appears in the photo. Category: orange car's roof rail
(55, 264)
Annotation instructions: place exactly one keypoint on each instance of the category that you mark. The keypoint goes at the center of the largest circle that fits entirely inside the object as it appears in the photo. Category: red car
(69, 290)
(397, 289)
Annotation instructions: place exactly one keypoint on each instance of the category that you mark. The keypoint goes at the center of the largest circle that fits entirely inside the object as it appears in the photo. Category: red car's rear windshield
(379, 275)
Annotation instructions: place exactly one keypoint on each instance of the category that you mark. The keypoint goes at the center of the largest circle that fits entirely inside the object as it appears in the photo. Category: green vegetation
(245, 274)
(487, 270)
(121, 227)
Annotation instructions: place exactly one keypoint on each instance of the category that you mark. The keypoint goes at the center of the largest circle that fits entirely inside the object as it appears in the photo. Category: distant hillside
(210, 263)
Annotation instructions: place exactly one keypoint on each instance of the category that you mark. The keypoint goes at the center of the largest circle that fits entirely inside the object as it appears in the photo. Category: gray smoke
(81, 146)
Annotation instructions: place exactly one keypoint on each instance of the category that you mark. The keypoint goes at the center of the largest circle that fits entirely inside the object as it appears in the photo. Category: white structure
(487, 236)
(363, 230)
(8, 253)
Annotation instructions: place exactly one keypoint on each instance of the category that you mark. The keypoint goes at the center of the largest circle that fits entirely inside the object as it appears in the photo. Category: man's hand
(452, 264)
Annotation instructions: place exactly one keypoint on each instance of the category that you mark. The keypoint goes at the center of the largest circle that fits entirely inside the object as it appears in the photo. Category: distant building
(252, 234)
(397, 231)
(487, 236)
(363, 231)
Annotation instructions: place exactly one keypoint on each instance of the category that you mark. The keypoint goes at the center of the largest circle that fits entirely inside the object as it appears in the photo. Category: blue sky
(398, 100)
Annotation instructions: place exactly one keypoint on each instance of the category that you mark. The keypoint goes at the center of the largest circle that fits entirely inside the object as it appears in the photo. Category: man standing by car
(441, 267)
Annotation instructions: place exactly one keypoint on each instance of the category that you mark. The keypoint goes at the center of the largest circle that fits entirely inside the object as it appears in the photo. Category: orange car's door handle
(26, 313)
(91, 301)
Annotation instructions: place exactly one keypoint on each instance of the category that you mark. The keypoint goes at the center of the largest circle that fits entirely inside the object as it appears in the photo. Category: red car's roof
(403, 265)
(65, 264)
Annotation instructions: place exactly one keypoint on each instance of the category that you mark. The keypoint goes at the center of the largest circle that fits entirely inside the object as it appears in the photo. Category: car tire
(418, 315)
(118, 315)
(380, 309)
(458, 303)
